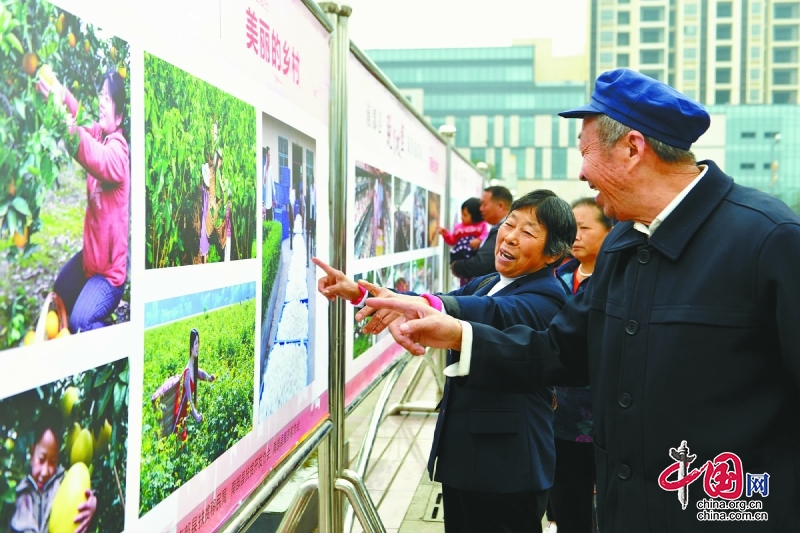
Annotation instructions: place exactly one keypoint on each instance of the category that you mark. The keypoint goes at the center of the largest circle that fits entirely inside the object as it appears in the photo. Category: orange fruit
(29, 339)
(12, 189)
(30, 63)
(72, 40)
(123, 72)
(20, 240)
(86, 46)
(51, 325)
(60, 27)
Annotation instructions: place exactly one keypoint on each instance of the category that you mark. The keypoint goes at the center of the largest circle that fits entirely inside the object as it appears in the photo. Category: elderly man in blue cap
(688, 333)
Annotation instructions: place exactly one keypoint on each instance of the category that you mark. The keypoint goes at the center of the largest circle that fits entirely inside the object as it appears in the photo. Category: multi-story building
(503, 102)
(716, 51)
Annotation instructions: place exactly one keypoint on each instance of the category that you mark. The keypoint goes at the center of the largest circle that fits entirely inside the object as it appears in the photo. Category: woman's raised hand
(335, 283)
(381, 318)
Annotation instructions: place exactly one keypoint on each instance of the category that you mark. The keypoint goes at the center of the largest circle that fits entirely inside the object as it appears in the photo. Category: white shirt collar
(649, 230)
(502, 284)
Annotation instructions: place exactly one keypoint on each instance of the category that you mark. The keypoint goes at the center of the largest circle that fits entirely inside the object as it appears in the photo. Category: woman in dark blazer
(493, 452)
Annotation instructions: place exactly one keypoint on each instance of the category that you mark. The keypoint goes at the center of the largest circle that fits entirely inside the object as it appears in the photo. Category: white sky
(382, 24)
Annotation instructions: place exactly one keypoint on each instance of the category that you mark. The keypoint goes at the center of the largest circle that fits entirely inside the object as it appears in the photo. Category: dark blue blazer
(498, 442)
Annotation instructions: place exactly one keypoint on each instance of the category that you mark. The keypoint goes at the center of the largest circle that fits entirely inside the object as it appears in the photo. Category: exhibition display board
(396, 182)
(163, 186)
(162, 179)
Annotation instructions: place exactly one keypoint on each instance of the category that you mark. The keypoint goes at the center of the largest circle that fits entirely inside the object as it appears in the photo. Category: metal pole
(362, 505)
(330, 453)
(447, 193)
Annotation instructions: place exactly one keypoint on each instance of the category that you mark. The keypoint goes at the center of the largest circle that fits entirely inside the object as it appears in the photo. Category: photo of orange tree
(200, 151)
(43, 189)
(87, 418)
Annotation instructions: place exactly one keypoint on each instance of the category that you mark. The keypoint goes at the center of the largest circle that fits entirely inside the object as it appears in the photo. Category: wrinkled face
(466, 218)
(590, 236)
(491, 210)
(109, 120)
(607, 172)
(520, 244)
(44, 458)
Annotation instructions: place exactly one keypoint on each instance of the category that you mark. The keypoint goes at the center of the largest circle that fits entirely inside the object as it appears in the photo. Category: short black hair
(116, 89)
(556, 216)
(49, 418)
(500, 194)
(473, 207)
(606, 221)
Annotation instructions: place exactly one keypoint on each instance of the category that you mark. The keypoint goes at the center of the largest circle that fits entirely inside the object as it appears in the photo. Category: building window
(623, 60)
(607, 37)
(606, 15)
(723, 75)
(623, 38)
(787, 11)
(689, 53)
(652, 35)
(690, 93)
(784, 55)
(652, 14)
(767, 166)
(722, 96)
(651, 57)
(748, 135)
(755, 74)
(723, 53)
(755, 8)
(690, 10)
(724, 31)
(784, 76)
(755, 95)
(607, 59)
(785, 32)
(690, 30)
(755, 30)
(624, 17)
(526, 127)
(689, 75)
(623, 1)
(655, 74)
(770, 135)
(747, 166)
(724, 10)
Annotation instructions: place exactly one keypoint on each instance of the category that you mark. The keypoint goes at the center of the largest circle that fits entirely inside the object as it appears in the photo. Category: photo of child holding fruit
(65, 171)
(64, 453)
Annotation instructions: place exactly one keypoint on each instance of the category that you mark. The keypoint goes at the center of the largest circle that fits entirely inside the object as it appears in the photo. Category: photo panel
(57, 251)
(373, 202)
(70, 436)
(383, 277)
(361, 341)
(420, 216)
(199, 353)
(288, 275)
(403, 203)
(435, 284)
(434, 203)
(419, 282)
(201, 170)
(401, 277)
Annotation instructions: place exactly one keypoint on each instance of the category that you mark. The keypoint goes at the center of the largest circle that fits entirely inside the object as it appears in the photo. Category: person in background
(186, 399)
(495, 203)
(493, 452)
(92, 283)
(572, 495)
(267, 188)
(472, 226)
(35, 493)
(687, 332)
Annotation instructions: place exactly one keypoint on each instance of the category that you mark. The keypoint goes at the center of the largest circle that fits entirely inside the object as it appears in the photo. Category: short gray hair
(609, 131)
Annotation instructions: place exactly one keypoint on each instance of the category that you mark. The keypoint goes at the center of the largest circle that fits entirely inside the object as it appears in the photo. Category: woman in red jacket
(92, 282)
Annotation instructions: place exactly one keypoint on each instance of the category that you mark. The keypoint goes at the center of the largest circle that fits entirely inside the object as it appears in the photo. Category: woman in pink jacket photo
(92, 282)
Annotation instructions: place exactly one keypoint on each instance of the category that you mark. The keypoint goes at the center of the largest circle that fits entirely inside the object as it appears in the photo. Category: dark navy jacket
(692, 334)
(498, 442)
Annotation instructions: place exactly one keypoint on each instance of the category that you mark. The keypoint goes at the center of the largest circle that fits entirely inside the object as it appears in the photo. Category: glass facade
(493, 88)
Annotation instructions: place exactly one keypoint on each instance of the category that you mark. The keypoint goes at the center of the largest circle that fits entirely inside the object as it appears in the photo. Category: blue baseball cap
(646, 105)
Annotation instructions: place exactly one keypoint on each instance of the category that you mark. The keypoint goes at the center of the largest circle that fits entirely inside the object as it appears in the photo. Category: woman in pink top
(92, 282)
